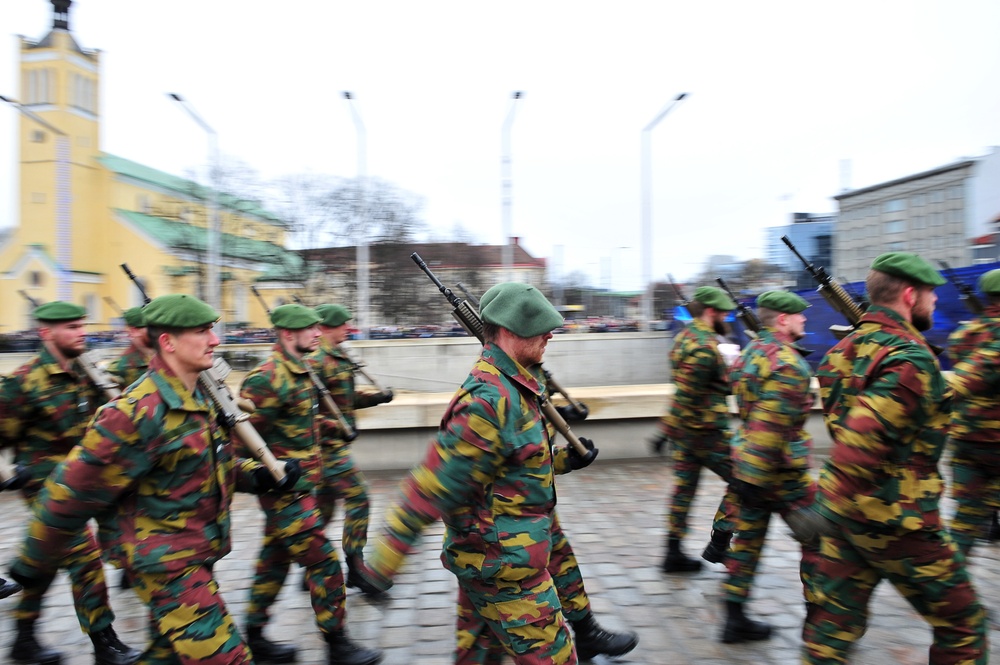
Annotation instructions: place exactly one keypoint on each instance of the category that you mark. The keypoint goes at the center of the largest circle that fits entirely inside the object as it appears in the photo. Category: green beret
(520, 308)
(989, 282)
(294, 317)
(178, 310)
(333, 315)
(57, 310)
(782, 301)
(910, 267)
(713, 296)
(133, 317)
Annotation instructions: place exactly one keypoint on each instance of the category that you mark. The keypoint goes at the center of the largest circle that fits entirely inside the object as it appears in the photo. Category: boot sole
(590, 655)
(729, 638)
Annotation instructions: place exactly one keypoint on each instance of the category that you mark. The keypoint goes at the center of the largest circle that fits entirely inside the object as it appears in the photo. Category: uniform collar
(52, 366)
(295, 365)
(172, 390)
(497, 357)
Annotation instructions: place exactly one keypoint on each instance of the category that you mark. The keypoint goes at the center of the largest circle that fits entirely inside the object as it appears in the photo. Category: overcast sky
(788, 102)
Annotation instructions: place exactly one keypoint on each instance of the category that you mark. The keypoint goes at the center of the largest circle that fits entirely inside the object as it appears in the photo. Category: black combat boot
(355, 579)
(740, 628)
(8, 587)
(266, 651)
(26, 648)
(592, 640)
(715, 551)
(993, 532)
(676, 561)
(125, 582)
(109, 650)
(342, 651)
(304, 582)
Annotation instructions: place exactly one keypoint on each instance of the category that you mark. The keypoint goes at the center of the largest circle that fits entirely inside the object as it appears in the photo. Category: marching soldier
(770, 451)
(886, 407)
(490, 475)
(45, 406)
(287, 418)
(697, 423)
(159, 460)
(134, 362)
(341, 479)
(975, 418)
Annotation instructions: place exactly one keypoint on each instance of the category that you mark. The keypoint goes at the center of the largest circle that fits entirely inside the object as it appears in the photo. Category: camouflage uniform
(697, 423)
(770, 453)
(490, 476)
(975, 425)
(886, 409)
(44, 411)
(158, 456)
(340, 478)
(129, 366)
(287, 418)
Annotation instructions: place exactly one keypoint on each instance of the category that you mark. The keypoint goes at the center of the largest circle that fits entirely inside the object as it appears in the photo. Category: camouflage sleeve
(107, 463)
(257, 387)
(978, 373)
(460, 463)
(117, 371)
(701, 368)
(13, 408)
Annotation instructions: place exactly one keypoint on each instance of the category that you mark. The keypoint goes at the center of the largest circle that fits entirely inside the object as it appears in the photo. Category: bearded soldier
(135, 360)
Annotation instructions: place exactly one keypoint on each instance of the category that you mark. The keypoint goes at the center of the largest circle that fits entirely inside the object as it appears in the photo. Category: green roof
(188, 188)
(283, 263)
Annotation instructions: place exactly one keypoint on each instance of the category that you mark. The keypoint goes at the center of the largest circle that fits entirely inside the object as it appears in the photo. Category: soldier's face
(719, 322)
(69, 337)
(528, 351)
(796, 325)
(923, 308)
(193, 348)
(335, 334)
(305, 340)
(138, 337)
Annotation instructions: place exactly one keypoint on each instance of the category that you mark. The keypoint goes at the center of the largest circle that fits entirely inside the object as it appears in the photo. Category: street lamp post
(647, 212)
(505, 187)
(362, 273)
(63, 199)
(213, 290)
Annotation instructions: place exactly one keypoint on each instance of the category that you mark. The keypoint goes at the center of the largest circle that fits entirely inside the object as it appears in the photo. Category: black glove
(27, 576)
(264, 482)
(386, 396)
(571, 415)
(578, 461)
(17, 481)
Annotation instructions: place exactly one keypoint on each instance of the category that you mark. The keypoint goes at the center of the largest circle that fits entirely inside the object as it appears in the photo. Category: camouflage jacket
(489, 474)
(771, 384)
(129, 366)
(975, 381)
(287, 414)
(886, 408)
(44, 411)
(156, 466)
(336, 371)
(699, 376)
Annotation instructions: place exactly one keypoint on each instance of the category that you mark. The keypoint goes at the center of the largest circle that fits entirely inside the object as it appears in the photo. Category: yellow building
(83, 212)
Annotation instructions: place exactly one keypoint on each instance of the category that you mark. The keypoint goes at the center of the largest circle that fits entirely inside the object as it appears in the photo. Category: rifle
(751, 323)
(213, 382)
(966, 292)
(685, 303)
(88, 363)
(468, 296)
(324, 394)
(833, 293)
(113, 305)
(470, 320)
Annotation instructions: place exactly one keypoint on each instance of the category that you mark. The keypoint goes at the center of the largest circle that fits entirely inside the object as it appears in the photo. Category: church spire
(60, 13)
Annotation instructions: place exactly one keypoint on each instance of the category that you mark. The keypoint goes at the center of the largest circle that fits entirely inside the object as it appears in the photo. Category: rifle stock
(470, 320)
(966, 292)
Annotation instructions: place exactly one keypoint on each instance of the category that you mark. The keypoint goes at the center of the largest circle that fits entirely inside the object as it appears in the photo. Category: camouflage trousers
(293, 532)
(522, 619)
(924, 566)
(690, 455)
(976, 490)
(751, 530)
(566, 575)
(342, 481)
(188, 620)
(82, 561)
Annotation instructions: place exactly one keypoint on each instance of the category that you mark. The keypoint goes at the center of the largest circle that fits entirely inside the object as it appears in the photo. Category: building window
(897, 246)
(937, 219)
(36, 278)
(919, 222)
(895, 205)
(38, 136)
(936, 196)
(917, 200)
(955, 191)
(38, 197)
(142, 204)
(895, 226)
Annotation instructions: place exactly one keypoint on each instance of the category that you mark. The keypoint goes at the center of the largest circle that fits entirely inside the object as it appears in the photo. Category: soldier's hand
(578, 461)
(808, 525)
(264, 481)
(571, 414)
(386, 396)
(18, 480)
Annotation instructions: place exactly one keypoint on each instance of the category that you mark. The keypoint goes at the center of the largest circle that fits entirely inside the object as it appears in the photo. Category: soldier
(135, 360)
(697, 424)
(770, 451)
(45, 406)
(490, 475)
(341, 480)
(886, 407)
(287, 417)
(159, 460)
(975, 418)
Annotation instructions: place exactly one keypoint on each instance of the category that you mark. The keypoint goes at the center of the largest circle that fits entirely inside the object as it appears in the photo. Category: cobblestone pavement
(614, 515)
